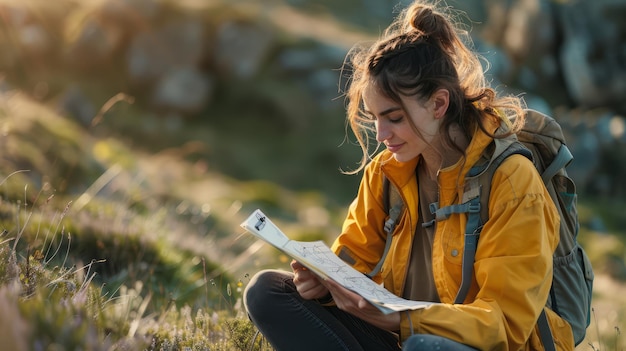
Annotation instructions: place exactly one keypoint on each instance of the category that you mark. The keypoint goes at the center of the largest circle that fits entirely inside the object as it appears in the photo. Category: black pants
(290, 322)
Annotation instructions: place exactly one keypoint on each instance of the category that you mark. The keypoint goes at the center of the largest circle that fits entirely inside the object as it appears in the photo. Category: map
(318, 257)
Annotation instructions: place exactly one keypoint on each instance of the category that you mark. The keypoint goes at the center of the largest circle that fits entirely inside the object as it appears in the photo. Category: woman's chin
(402, 157)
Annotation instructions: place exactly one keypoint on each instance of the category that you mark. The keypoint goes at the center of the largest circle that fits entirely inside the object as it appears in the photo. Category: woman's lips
(394, 147)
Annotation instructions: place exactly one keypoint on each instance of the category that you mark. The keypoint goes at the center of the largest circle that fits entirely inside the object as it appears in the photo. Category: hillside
(104, 160)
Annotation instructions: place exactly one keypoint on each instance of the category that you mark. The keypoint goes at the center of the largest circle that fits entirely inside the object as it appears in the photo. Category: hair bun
(430, 24)
(422, 20)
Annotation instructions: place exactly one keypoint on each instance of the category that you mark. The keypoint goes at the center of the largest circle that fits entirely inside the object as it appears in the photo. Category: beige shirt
(420, 284)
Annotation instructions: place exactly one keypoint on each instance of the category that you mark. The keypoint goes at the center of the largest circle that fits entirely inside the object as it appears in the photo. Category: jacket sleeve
(362, 240)
(512, 269)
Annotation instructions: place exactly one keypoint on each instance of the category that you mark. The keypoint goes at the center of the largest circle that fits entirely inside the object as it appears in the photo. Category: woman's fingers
(307, 283)
(356, 305)
(295, 265)
(345, 299)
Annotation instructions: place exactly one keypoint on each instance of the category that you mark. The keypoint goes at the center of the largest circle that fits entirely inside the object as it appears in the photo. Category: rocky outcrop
(572, 52)
(566, 57)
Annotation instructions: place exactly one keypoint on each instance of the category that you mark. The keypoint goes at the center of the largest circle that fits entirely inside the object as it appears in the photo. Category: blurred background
(150, 129)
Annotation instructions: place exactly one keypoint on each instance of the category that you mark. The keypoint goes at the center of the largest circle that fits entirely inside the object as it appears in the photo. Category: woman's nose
(383, 132)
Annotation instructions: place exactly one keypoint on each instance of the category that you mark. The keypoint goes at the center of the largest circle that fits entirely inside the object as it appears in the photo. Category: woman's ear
(440, 101)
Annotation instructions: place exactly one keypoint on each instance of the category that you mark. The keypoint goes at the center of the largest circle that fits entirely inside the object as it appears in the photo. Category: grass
(122, 264)
(127, 262)
(607, 252)
(610, 342)
(61, 304)
(71, 313)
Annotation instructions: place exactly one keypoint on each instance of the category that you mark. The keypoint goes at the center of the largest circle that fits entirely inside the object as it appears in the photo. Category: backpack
(541, 140)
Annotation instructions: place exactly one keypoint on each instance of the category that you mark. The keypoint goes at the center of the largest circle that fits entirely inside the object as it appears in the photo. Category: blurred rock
(594, 50)
(476, 10)
(596, 139)
(299, 59)
(566, 58)
(496, 63)
(312, 64)
(529, 34)
(33, 39)
(183, 89)
(579, 45)
(156, 52)
(24, 32)
(323, 85)
(131, 12)
(585, 149)
(584, 145)
(525, 33)
(101, 32)
(94, 45)
(579, 76)
(241, 48)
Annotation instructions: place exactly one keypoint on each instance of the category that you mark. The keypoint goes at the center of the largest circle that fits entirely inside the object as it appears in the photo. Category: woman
(423, 92)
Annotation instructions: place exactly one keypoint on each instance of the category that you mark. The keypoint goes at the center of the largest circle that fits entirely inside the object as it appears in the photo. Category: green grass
(65, 303)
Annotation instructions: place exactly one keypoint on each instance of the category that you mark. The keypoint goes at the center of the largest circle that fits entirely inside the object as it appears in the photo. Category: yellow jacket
(513, 265)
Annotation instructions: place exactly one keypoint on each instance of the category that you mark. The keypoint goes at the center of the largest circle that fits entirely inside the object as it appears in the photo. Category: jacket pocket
(452, 245)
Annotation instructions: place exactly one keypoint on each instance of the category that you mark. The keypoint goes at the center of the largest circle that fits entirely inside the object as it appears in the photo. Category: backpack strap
(478, 182)
(484, 177)
(472, 232)
(561, 160)
(545, 334)
(392, 201)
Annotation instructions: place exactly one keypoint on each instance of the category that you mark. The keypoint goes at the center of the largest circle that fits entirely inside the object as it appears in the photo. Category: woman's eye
(396, 119)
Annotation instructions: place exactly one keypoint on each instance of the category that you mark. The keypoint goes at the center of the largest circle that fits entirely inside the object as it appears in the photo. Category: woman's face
(393, 127)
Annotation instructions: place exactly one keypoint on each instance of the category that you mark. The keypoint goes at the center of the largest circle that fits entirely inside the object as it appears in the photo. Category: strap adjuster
(473, 207)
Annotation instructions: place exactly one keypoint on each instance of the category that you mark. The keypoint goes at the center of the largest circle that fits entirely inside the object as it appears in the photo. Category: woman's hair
(421, 52)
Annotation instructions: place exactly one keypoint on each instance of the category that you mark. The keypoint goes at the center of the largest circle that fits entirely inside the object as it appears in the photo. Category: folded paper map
(319, 258)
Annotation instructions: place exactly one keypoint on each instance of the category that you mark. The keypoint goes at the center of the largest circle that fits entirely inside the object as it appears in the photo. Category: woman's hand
(308, 284)
(310, 287)
(356, 305)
